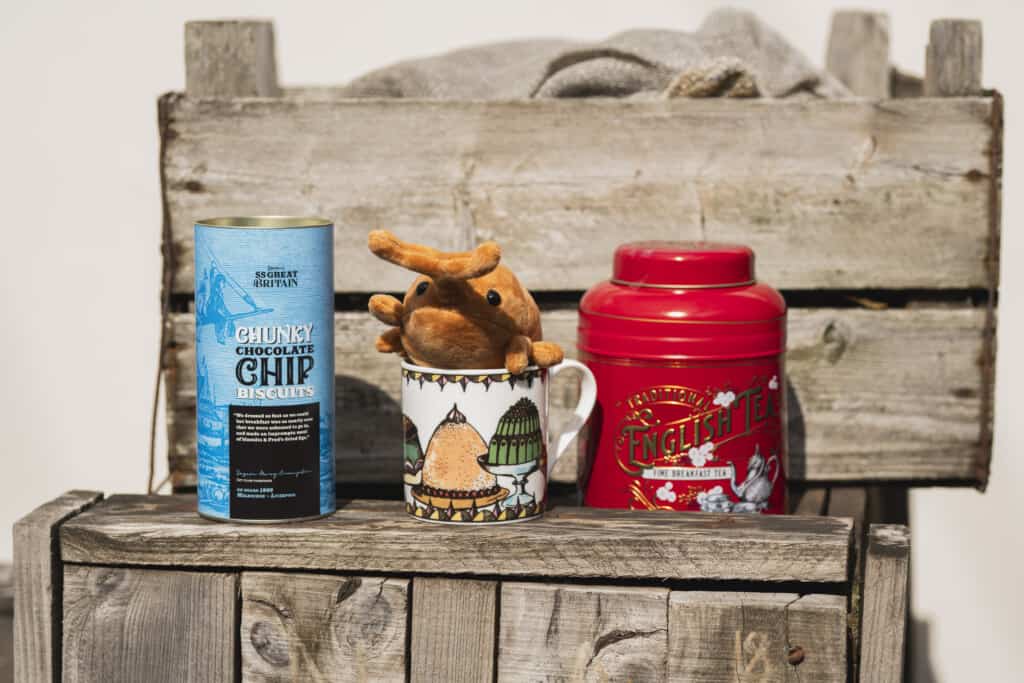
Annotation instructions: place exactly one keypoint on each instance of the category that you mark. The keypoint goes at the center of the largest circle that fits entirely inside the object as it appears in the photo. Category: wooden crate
(142, 588)
(879, 219)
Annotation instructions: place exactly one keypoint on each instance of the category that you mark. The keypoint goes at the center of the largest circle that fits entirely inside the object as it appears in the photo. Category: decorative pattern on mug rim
(443, 379)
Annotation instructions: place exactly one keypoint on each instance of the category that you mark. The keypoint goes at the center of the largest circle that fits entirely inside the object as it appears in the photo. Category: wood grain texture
(717, 636)
(552, 632)
(453, 630)
(953, 58)
(852, 502)
(830, 194)
(858, 52)
(817, 625)
(884, 614)
(230, 59)
(379, 537)
(37, 586)
(148, 625)
(876, 395)
(301, 627)
(810, 501)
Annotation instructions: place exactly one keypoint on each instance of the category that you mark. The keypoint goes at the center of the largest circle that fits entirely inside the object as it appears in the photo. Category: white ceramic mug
(476, 441)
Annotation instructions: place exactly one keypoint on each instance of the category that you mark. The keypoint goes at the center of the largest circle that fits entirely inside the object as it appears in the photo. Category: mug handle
(588, 397)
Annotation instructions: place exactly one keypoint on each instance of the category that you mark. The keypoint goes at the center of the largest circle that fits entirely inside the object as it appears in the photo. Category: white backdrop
(80, 268)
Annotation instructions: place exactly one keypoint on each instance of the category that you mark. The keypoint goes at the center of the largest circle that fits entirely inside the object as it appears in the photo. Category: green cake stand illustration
(516, 450)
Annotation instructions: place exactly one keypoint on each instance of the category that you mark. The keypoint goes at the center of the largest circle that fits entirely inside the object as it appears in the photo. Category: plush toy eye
(422, 287)
(493, 298)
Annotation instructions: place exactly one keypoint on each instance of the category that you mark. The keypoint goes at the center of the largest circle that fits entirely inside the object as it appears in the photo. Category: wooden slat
(301, 627)
(852, 502)
(858, 52)
(883, 625)
(554, 632)
(716, 636)
(230, 59)
(37, 586)
(953, 58)
(148, 625)
(817, 638)
(379, 537)
(830, 194)
(876, 395)
(453, 630)
(810, 501)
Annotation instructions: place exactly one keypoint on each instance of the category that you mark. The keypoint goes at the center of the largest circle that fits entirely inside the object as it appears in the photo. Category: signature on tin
(272, 476)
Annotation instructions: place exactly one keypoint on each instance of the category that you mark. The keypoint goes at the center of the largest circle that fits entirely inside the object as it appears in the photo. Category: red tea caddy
(687, 348)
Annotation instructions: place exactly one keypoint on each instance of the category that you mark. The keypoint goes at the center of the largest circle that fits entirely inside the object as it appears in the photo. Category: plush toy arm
(517, 354)
(391, 342)
(386, 309)
(545, 354)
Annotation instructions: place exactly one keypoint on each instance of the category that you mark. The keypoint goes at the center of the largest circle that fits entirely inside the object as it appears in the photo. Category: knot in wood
(269, 644)
(834, 339)
(795, 655)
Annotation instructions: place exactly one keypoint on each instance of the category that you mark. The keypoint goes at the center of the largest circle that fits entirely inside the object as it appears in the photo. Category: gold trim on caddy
(587, 356)
(442, 379)
(637, 492)
(683, 322)
(723, 285)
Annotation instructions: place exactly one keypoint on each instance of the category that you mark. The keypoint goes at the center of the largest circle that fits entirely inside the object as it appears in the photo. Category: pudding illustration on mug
(476, 447)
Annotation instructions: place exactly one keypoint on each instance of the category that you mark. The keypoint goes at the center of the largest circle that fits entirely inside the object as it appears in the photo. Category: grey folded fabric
(732, 54)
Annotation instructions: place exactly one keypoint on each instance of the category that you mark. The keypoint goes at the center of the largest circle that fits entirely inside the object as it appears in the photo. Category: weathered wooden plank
(453, 630)
(148, 625)
(301, 627)
(853, 502)
(876, 395)
(816, 628)
(833, 194)
(230, 59)
(37, 586)
(953, 58)
(716, 636)
(810, 501)
(379, 537)
(552, 632)
(858, 52)
(884, 614)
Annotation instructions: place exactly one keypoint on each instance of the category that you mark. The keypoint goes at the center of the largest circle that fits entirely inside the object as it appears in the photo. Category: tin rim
(281, 222)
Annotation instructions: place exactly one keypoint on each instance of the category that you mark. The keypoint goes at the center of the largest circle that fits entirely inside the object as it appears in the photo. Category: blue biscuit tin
(265, 367)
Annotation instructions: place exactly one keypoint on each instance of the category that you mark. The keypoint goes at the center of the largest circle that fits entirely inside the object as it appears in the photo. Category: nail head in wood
(953, 58)
(230, 59)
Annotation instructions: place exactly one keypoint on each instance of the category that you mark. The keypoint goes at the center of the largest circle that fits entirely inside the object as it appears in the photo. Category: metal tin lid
(682, 300)
(279, 222)
(683, 265)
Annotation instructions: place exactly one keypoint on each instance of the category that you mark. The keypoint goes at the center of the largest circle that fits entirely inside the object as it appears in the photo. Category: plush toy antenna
(433, 263)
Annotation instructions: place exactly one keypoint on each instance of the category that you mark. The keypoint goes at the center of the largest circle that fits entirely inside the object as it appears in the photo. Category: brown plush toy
(465, 311)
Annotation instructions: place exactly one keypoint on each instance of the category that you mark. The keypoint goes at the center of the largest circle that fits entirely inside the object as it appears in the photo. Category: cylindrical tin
(265, 367)
(687, 349)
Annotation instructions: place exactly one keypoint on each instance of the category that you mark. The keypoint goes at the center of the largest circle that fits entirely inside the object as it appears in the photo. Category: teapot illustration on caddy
(753, 492)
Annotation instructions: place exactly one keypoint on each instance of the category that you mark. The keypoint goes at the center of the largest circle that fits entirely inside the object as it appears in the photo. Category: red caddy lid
(683, 265)
(682, 301)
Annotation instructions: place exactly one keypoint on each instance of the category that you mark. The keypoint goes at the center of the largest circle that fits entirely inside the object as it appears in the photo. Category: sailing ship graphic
(211, 308)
